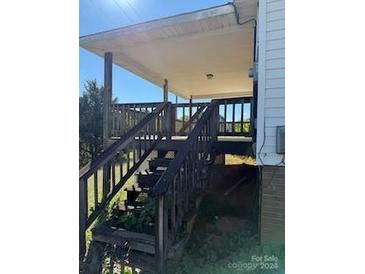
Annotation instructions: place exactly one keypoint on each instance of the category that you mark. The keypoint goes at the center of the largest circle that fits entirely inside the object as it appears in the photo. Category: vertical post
(107, 96)
(190, 111)
(168, 117)
(168, 121)
(190, 106)
(165, 91)
(82, 217)
(159, 240)
(173, 119)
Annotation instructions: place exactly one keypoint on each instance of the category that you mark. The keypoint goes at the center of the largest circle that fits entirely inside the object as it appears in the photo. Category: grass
(235, 252)
(232, 159)
(121, 195)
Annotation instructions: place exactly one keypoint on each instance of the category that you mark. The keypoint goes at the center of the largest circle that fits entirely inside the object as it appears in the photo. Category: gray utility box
(280, 140)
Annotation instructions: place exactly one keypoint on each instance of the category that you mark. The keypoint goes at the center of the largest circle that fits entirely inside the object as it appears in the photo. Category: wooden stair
(140, 245)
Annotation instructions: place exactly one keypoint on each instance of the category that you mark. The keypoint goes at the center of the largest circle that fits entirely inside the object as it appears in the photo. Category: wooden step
(122, 237)
(148, 180)
(159, 162)
(133, 193)
(135, 204)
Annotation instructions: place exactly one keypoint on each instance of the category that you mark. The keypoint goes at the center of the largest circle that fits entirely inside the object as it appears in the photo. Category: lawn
(225, 240)
(120, 196)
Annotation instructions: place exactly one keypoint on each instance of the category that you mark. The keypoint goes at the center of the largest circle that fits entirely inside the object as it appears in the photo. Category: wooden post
(82, 217)
(168, 122)
(160, 234)
(190, 111)
(190, 106)
(107, 96)
(165, 91)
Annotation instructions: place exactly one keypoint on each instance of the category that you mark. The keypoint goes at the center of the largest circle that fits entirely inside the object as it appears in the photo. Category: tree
(90, 122)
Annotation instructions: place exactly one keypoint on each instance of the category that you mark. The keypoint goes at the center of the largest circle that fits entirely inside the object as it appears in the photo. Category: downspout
(237, 15)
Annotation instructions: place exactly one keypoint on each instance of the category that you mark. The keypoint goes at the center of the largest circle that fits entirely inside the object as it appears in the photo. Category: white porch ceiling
(185, 48)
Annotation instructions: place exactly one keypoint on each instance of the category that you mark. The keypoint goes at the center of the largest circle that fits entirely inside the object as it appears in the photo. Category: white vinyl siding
(271, 76)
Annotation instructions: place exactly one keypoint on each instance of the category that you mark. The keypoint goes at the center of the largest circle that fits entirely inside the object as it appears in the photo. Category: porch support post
(107, 96)
(165, 91)
(161, 233)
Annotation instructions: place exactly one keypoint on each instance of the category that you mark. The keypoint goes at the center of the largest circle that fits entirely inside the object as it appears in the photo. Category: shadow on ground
(224, 238)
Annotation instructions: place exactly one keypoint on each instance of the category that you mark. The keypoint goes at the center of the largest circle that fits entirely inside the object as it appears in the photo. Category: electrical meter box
(280, 140)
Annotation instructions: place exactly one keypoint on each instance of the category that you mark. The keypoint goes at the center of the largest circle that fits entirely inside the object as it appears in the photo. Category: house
(233, 54)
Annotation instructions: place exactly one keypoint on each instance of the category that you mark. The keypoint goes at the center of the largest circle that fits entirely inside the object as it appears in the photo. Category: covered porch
(199, 56)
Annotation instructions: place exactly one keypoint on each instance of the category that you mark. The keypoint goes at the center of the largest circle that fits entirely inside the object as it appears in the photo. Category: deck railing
(100, 180)
(184, 179)
(185, 116)
(126, 116)
(235, 117)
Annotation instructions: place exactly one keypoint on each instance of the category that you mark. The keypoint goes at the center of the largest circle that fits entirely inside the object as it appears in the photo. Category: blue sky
(101, 15)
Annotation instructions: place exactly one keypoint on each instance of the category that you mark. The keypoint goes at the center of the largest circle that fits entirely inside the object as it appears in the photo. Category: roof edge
(227, 8)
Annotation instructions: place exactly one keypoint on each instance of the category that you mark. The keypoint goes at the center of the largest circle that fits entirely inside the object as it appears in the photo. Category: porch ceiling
(185, 48)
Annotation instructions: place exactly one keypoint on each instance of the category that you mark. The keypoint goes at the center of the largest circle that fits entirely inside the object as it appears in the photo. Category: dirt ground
(230, 189)
(226, 219)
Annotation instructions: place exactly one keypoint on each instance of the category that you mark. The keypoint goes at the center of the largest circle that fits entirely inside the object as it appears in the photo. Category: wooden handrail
(127, 154)
(184, 178)
(113, 149)
(162, 185)
(189, 123)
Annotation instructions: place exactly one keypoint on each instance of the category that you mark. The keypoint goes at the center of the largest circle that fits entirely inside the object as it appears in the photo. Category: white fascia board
(159, 23)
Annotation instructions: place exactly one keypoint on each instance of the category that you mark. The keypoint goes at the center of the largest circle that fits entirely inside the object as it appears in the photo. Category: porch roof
(185, 48)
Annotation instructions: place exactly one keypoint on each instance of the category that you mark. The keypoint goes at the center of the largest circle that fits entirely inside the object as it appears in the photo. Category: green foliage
(136, 222)
(238, 249)
(211, 250)
(246, 127)
(90, 122)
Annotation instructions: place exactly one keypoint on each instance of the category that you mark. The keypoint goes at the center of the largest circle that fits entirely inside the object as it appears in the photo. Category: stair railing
(101, 179)
(184, 179)
(183, 115)
(125, 116)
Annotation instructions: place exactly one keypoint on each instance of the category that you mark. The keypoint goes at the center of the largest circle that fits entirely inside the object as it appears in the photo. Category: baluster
(233, 117)
(186, 182)
(134, 152)
(128, 159)
(121, 164)
(113, 180)
(145, 140)
(122, 120)
(191, 169)
(173, 209)
(82, 216)
(96, 197)
(106, 180)
(180, 200)
(183, 117)
(225, 116)
(134, 115)
(242, 109)
(139, 147)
